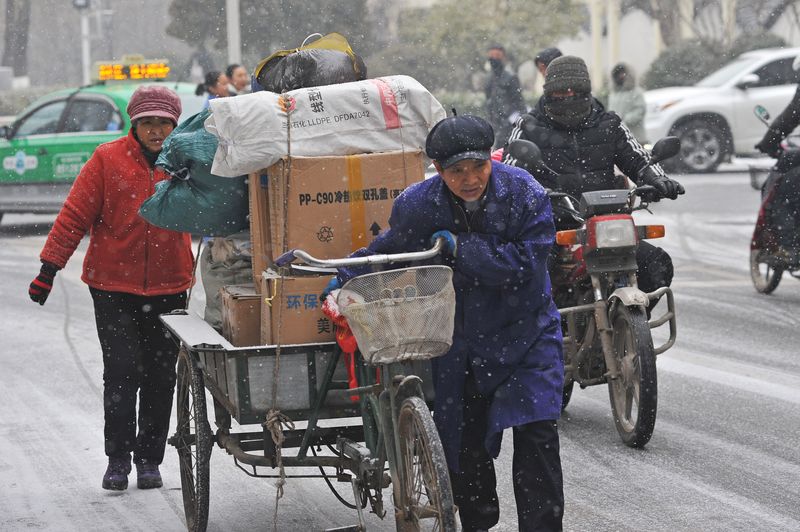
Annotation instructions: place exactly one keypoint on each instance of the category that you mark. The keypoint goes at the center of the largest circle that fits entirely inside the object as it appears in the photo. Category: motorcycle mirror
(664, 149)
(762, 114)
(526, 152)
(528, 156)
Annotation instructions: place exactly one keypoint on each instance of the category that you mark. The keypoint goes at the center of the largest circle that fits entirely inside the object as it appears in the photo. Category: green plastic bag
(194, 200)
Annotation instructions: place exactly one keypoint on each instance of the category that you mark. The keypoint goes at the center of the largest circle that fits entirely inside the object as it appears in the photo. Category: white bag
(374, 115)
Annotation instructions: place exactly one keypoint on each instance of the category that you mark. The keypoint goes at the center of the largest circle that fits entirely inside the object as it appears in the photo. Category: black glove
(666, 187)
(771, 143)
(41, 286)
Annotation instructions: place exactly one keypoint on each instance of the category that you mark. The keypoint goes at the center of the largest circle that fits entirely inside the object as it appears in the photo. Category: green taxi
(46, 146)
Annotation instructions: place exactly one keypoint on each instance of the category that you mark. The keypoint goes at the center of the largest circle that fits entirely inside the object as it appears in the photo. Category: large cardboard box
(291, 312)
(241, 315)
(327, 206)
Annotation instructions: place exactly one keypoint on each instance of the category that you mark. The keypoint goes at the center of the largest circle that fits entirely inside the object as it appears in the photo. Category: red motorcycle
(768, 260)
(606, 327)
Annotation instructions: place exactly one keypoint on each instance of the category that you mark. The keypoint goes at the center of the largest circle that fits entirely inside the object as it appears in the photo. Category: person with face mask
(582, 142)
(504, 102)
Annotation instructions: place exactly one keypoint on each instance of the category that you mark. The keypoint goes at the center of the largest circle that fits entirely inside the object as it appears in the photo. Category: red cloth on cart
(345, 339)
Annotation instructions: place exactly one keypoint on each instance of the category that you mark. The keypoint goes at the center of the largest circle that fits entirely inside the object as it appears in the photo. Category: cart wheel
(634, 393)
(193, 441)
(427, 498)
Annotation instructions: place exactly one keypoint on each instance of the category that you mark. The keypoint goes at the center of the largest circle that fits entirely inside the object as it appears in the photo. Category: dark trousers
(655, 267)
(138, 357)
(536, 472)
(654, 270)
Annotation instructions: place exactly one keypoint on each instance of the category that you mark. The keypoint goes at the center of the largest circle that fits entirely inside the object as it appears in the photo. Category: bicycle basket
(401, 315)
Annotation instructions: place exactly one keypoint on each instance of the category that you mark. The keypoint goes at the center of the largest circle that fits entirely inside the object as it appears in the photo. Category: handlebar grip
(285, 259)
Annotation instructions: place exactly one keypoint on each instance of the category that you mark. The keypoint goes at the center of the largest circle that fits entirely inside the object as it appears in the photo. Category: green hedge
(472, 102)
(688, 62)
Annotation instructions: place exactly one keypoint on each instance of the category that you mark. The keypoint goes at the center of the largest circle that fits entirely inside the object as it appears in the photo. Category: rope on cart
(194, 273)
(275, 419)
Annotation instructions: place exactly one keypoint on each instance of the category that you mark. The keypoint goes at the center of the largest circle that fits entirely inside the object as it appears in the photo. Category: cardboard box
(292, 303)
(241, 315)
(327, 206)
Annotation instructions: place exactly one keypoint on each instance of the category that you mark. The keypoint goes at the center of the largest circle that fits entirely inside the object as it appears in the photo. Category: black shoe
(116, 477)
(148, 476)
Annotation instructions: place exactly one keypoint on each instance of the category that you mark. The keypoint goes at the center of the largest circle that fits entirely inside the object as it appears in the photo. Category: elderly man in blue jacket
(505, 367)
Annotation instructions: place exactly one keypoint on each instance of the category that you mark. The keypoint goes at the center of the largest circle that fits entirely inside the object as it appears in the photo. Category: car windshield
(724, 74)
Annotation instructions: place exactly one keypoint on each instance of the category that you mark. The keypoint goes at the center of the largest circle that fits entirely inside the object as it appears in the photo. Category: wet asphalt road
(725, 454)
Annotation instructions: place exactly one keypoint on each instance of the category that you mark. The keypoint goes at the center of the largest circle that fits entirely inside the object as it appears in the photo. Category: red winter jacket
(126, 254)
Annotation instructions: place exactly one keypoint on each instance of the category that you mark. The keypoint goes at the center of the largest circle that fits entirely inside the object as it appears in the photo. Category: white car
(714, 118)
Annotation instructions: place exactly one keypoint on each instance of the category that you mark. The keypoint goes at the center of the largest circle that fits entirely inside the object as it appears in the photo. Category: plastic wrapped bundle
(393, 113)
(311, 68)
(194, 200)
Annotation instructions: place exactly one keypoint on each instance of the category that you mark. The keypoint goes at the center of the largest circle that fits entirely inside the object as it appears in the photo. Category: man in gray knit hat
(582, 142)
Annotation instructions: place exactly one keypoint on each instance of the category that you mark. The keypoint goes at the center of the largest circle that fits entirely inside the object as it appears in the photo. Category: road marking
(762, 386)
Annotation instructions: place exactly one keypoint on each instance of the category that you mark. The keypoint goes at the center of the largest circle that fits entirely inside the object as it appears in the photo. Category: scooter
(607, 338)
(768, 261)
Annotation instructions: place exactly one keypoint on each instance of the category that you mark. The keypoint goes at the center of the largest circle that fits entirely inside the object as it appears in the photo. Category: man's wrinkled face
(152, 130)
(466, 179)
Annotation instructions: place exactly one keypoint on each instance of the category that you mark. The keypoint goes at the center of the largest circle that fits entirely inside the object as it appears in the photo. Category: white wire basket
(401, 315)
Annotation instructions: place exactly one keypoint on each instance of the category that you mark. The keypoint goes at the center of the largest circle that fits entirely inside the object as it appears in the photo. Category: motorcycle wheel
(765, 277)
(634, 393)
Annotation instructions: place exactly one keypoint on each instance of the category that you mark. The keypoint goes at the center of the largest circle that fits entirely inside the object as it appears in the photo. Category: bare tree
(15, 40)
(752, 16)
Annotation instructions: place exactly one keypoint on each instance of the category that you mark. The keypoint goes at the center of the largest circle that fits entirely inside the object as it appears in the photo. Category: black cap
(460, 137)
(547, 55)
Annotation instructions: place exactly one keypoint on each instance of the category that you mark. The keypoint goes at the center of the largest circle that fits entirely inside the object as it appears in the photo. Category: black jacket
(503, 98)
(789, 117)
(584, 158)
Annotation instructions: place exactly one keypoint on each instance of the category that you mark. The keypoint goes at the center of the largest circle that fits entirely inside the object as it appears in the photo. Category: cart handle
(295, 254)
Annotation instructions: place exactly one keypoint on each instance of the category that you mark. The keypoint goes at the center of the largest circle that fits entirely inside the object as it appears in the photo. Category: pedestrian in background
(544, 58)
(627, 100)
(504, 102)
(215, 84)
(135, 271)
(239, 79)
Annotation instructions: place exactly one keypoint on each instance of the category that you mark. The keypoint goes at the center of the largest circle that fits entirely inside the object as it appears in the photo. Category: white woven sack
(374, 115)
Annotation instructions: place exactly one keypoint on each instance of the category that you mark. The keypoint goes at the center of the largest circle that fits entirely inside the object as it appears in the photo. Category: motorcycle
(605, 323)
(768, 261)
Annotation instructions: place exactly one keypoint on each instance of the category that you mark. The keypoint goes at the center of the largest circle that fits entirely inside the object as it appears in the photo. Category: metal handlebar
(298, 254)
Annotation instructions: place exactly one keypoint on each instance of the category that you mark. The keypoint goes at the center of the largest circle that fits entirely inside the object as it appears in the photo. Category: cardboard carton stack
(329, 207)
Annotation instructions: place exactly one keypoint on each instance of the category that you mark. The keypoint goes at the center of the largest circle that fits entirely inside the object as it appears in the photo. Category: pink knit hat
(154, 100)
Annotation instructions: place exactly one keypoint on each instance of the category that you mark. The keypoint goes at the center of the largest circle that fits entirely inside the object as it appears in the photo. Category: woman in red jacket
(135, 271)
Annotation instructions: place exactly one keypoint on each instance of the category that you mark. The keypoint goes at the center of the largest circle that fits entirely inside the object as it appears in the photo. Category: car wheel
(702, 146)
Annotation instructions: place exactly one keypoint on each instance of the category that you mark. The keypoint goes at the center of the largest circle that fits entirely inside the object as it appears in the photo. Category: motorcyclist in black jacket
(785, 204)
(582, 142)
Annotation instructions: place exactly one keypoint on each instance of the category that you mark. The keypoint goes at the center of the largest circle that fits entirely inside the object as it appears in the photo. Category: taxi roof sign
(131, 67)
